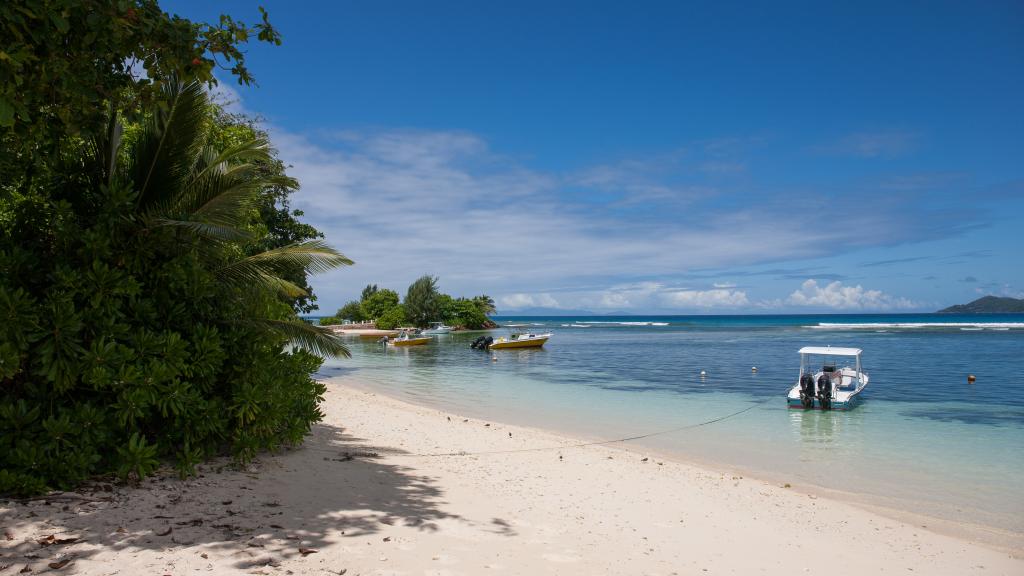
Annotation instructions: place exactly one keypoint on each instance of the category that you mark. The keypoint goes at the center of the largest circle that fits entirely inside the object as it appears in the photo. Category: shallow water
(922, 440)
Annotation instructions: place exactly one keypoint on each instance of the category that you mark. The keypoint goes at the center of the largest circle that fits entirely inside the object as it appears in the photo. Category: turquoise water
(922, 440)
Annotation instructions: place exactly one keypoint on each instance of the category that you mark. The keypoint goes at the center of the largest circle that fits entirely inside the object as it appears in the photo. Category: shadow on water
(250, 518)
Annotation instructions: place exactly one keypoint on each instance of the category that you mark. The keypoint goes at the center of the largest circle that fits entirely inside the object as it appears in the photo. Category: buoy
(703, 373)
(970, 378)
(494, 358)
(753, 368)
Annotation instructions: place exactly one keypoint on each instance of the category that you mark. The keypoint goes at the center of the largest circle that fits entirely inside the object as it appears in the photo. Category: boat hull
(532, 343)
(409, 342)
(836, 404)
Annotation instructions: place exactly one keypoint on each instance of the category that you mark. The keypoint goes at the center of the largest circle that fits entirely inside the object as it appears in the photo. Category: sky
(653, 157)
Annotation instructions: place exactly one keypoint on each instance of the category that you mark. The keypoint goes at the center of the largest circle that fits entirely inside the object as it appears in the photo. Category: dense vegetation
(423, 304)
(988, 305)
(151, 272)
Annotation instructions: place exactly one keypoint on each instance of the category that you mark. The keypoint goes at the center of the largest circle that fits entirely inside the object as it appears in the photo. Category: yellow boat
(520, 341)
(406, 340)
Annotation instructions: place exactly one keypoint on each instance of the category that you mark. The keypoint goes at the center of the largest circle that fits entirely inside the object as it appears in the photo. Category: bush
(128, 336)
(392, 319)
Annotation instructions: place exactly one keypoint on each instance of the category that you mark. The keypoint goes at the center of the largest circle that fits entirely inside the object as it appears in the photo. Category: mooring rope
(585, 444)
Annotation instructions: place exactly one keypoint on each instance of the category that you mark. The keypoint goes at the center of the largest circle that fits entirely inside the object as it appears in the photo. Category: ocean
(923, 439)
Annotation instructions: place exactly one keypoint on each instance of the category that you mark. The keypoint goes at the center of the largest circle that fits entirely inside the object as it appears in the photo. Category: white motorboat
(832, 387)
(437, 328)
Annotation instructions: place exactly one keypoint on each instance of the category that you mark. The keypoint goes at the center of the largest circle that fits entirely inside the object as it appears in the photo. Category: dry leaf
(307, 551)
(60, 564)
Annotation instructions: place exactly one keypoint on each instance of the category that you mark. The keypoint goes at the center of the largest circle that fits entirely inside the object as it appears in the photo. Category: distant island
(987, 305)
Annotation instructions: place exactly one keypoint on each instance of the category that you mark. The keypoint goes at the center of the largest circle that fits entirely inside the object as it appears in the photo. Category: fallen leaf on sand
(8, 535)
(165, 532)
(27, 568)
(60, 564)
(307, 551)
(279, 527)
(121, 530)
(204, 556)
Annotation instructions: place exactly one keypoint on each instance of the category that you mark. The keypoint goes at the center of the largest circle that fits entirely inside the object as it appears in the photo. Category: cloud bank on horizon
(638, 236)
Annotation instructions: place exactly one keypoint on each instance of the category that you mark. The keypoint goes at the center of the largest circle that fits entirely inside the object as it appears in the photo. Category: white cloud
(520, 300)
(403, 203)
(724, 285)
(717, 298)
(839, 297)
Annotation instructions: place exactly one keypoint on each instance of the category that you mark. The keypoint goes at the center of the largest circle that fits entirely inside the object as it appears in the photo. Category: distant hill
(987, 305)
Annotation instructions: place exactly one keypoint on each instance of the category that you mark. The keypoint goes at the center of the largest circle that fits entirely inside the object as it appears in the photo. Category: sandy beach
(367, 494)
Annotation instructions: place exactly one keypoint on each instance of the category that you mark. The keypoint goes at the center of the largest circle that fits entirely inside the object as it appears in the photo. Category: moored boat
(832, 387)
(406, 339)
(520, 340)
(437, 328)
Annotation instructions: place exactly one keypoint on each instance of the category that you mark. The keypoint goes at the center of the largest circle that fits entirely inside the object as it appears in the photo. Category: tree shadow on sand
(333, 487)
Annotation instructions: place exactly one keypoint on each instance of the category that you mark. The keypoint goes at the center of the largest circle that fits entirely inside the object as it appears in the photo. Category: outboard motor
(807, 391)
(825, 391)
(481, 343)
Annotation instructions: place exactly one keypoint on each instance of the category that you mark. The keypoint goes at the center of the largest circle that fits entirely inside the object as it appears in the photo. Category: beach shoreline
(371, 493)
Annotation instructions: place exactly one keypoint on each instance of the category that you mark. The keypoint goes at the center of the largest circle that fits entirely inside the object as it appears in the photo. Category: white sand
(593, 510)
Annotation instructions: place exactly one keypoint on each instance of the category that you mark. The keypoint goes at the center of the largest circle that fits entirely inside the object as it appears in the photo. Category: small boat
(437, 328)
(832, 387)
(406, 339)
(520, 340)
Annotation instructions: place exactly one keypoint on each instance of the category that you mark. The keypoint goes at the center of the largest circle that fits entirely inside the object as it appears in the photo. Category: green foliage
(138, 459)
(370, 290)
(463, 313)
(352, 311)
(422, 302)
(393, 318)
(60, 58)
(142, 317)
(485, 304)
(379, 303)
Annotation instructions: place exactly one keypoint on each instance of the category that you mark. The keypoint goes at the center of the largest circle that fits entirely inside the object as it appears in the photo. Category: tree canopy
(382, 306)
(151, 270)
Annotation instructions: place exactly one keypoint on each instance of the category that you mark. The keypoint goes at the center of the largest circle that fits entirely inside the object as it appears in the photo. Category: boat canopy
(830, 351)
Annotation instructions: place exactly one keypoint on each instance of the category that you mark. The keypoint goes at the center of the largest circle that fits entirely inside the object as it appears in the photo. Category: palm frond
(314, 256)
(250, 275)
(206, 230)
(316, 339)
(165, 153)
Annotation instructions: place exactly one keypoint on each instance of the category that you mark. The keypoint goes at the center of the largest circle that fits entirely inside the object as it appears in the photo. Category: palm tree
(485, 303)
(207, 195)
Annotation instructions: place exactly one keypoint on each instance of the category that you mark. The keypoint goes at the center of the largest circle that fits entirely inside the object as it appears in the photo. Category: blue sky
(654, 156)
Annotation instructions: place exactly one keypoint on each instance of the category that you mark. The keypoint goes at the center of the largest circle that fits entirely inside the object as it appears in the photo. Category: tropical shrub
(422, 301)
(139, 318)
(378, 303)
(393, 318)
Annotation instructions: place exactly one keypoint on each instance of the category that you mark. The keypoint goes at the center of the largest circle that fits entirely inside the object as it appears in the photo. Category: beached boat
(406, 339)
(437, 328)
(520, 340)
(833, 387)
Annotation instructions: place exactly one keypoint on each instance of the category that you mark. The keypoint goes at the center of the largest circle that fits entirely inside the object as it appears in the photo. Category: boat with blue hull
(833, 386)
